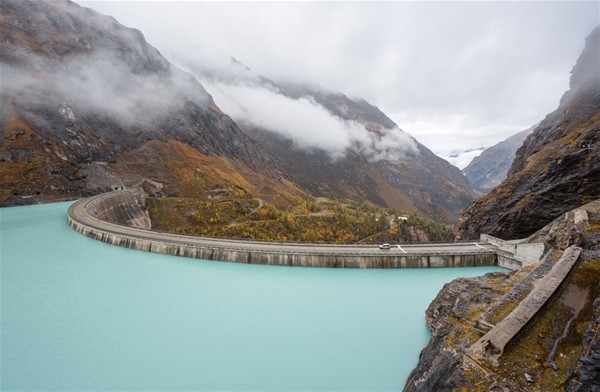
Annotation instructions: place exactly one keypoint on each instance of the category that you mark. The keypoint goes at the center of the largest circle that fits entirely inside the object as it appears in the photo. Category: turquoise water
(78, 314)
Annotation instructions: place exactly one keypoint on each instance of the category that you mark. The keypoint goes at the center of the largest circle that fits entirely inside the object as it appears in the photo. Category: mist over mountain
(103, 82)
(333, 145)
(294, 112)
(462, 158)
(308, 124)
(87, 105)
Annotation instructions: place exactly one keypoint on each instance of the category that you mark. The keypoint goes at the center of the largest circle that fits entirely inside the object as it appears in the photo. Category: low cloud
(461, 159)
(306, 122)
(392, 144)
(501, 65)
(104, 84)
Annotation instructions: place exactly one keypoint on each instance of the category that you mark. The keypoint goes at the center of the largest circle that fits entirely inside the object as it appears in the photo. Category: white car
(385, 246)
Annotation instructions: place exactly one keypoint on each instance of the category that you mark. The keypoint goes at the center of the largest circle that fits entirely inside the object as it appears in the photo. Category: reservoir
(79, 314)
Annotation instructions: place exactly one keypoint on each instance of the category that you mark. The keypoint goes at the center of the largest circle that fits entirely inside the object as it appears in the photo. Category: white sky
(455, 75)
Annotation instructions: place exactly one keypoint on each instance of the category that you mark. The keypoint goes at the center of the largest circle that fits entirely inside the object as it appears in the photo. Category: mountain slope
(556, 169)
(413, 179)
(490, 168)
(88, 104)
(377, 162)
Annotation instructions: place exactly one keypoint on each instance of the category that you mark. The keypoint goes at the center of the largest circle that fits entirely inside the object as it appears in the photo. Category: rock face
(585, 375)
(88, 104)
(415, 179)
(557, 349)
(489, 169)
(556, 169)
(439, 367)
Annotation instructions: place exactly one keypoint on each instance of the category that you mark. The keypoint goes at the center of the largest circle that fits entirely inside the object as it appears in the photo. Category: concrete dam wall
(493, 343)
(125, 208)
(119, 218)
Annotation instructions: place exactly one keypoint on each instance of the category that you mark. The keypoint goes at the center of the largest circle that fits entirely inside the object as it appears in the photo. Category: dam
(123, 224)
(79, 314)
(119, 218)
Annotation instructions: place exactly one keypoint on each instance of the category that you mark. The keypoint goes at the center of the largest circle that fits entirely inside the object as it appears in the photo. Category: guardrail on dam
(119, 218)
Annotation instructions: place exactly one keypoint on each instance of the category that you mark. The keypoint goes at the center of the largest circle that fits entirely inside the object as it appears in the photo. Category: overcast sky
(455, 75)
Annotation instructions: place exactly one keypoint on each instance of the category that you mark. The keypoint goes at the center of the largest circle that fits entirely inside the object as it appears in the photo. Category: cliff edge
(558, 349)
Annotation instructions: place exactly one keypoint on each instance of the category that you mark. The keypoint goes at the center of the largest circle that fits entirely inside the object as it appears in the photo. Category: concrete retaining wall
(103, 217)
(126, 207)
(580, 218)
(516, 252)
(529, 253)
(507, 260)
(493, 343)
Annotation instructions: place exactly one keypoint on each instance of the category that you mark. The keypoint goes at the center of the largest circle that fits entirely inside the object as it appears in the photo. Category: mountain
(556, 169)
(430, 184)
(490, 168)
(88, 104)
(379, 163)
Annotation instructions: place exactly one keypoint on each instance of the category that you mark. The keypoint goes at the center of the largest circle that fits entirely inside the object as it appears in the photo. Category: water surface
(78, 314)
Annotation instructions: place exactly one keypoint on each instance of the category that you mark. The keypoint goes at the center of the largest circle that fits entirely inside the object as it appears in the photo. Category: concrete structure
(119, 218)
(125, 208)
(580, 218)
(519, 253)
(493, 343)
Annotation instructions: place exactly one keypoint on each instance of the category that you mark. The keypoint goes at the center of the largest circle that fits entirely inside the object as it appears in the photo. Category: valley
(208, 159)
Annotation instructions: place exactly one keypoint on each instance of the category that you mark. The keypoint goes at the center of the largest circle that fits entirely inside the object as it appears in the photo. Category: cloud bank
(456, 75)
(103, 84)
(461, 159)
(307, 123)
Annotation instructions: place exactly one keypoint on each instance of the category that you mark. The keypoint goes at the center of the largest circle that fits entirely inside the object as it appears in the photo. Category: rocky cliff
(556, 169)
(88, 104)
(559, 349)
(489, 169)
(413, 178)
